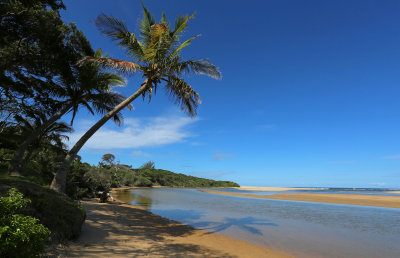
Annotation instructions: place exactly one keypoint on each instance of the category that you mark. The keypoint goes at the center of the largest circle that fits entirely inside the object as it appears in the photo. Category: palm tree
(51, 137)
(91, 89)
(157, 57)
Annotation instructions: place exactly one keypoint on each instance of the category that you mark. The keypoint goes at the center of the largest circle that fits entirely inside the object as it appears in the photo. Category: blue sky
(309, 95)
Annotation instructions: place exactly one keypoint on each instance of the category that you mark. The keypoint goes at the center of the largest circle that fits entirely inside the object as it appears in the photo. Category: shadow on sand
(120, 230)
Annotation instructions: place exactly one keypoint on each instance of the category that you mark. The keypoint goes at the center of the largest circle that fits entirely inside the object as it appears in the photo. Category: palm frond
(204, 67)
(183, 95)
(121, 66)
(183, 45)
(180, 25)
(147, 21)
(164, 19)
(118, 31)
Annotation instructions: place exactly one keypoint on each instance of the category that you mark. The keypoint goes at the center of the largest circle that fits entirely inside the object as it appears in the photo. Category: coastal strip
(349, 199)
(393, 192)
(117, 229)
(273, 189)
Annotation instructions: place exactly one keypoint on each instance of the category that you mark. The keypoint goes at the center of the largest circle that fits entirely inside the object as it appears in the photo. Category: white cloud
(139, 153)
(392, 157)
(138, 133)
(222, 156)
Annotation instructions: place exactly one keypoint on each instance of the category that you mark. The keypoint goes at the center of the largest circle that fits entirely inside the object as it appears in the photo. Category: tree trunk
(60, 179)
(15, 166)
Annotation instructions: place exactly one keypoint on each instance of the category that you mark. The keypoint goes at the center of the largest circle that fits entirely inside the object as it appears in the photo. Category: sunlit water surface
(303, 229)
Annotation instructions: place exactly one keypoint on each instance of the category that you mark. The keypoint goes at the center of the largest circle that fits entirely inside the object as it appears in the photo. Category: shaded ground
(120, 230)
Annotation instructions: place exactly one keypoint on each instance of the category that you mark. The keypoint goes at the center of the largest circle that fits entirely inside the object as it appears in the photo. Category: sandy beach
(117, 229)
(393, 192)
(272, 189)
(350, 199)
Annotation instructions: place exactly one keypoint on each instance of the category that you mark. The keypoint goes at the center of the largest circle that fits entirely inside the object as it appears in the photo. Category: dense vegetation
(19, 234)
(85, 180)
(60, 214)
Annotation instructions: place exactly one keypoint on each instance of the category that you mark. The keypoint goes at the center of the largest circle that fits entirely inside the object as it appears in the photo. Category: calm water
(301, 228)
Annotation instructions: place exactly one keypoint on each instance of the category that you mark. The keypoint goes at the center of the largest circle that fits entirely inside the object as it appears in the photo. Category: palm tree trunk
(60, 179)
(15, 166)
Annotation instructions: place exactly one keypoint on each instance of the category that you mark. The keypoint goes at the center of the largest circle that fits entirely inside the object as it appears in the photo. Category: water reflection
(125, 196)
(132, 198)
(247, 224)
(183, 215)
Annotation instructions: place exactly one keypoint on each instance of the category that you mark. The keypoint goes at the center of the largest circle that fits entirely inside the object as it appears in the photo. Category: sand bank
(393, 192)
(272, 189)
(120, 230)
(350, 199)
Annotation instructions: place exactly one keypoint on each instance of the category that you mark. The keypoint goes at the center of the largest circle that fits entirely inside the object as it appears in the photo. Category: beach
(271, 189)
(349, 199)
(117, 229)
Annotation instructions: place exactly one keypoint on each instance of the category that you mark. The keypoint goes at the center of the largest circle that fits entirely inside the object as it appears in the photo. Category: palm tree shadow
(247, 224)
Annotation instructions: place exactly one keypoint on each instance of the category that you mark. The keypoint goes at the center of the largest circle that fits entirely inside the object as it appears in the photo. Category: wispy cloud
(139, 153)
(392, 157)
(212, 174)
(198, 143)
(222, 156)
(138, 133)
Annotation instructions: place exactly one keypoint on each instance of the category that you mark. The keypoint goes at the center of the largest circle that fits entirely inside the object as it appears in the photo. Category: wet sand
(117, 229)
(349, 199)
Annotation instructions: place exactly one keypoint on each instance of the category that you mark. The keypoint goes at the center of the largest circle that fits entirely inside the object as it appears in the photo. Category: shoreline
(118, 229)
(348, 199)
(275, 189)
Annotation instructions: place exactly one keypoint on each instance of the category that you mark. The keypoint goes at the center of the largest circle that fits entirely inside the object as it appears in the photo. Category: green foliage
(98, 179)
(85, 180)
(108, 159)
(168, 178)
(148, 164)
(60, 214)
(20, 236)
(143, 181)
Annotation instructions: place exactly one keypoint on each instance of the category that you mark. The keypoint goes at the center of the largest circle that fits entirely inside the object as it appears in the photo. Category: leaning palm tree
(91, 90)
(156, 55)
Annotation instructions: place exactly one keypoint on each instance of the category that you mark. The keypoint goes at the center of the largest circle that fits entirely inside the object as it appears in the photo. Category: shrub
(19, 235)
(149, 164)
(143, 182)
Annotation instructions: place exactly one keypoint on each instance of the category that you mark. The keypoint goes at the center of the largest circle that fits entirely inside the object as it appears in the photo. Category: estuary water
(303, 229)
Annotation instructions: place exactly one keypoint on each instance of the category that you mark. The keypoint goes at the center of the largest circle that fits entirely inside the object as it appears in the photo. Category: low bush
(20, 236)
(63, 216)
